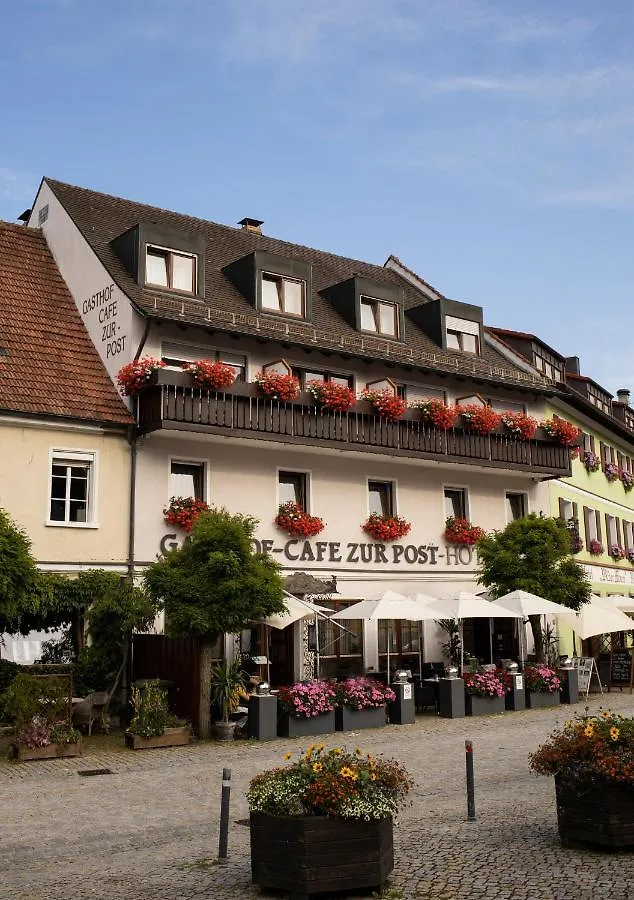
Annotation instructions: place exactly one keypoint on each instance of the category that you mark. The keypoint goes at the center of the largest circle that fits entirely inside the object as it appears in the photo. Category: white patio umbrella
(389, 605)
(465, 605)
(596, 617)
(527, 604)
(626, 604)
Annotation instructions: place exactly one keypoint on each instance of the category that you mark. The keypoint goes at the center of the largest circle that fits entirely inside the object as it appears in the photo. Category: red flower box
(561, 431)
(211, 375)
(136, 375)
(438, 413)
(183, 512)
(386, 528)
(333, 396)
(481, 419)
(292, 519)
(386, 404)
(520, 425)
(461, 531)
(278, 387)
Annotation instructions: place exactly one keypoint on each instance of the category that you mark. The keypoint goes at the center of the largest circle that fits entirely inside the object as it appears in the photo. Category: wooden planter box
(310, 854)
(602, 815)
(348, 719)
(22, 753)
(542, 699)
(292, 726)
(483, 706)
(171, 737)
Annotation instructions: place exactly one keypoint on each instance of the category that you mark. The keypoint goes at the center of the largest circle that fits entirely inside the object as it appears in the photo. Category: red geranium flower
(481, 419)
(561, 431)
(211, 375)
(438, 413)
(278, 387)
(134, 376)
(333, 396)
(386, 528)
(292, 519)
(183, 512)
(520, 425)
(461, 531)
(385, 404)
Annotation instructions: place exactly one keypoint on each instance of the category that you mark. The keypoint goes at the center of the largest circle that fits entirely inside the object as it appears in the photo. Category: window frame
(464, 490)
(306, 487)
(201, 464)
(65, 456)
(355, 630)
(525, 498)
(390, 484)
(263, 275)
(204, 353)
(327, 376)
(375, 304)
(171, 252)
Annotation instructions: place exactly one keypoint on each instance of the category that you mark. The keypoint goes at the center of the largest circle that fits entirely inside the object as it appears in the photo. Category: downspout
(132, 441)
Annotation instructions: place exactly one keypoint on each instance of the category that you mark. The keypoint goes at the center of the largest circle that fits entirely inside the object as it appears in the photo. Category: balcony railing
(239, 412)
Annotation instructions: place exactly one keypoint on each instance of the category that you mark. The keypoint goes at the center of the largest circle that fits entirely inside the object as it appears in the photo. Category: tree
(533, 554)
(21, 588)
(214, 584)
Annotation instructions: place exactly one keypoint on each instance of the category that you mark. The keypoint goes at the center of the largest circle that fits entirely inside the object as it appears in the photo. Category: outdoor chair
(90, 710)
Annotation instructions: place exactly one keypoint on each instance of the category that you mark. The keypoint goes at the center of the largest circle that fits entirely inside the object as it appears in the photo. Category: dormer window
(462, 334)
(170, 269)
(379, 316)
(284, 295)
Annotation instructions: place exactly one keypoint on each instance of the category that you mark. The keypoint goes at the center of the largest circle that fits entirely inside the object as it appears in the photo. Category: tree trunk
(204, 702)
(538, 637)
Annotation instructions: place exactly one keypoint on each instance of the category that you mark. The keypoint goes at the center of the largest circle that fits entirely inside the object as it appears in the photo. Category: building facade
(65, 478)
(147, 282)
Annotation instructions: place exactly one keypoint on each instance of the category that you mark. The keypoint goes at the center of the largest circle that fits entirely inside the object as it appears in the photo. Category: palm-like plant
(227, 686)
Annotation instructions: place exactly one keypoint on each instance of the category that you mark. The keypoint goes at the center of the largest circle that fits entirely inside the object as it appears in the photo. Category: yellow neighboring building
(65, 477)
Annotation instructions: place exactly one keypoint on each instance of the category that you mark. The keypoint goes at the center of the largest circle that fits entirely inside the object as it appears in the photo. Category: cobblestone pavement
(150, 830)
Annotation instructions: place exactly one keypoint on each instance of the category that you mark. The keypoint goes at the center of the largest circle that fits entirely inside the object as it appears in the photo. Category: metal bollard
(223, 840)
(471, 813)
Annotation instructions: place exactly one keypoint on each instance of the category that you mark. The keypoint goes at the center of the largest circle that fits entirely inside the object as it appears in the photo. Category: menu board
(584, 666)
(621, 669)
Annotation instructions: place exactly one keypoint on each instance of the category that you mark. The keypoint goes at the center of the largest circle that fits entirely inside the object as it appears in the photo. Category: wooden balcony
(240, 412)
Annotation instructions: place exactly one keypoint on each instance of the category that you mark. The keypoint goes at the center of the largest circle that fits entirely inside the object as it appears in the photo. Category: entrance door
(281, 655)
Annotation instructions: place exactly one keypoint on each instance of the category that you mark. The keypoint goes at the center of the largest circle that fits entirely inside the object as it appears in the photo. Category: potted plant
(591, 461)
(39, 709)
(437, 413)
(213, 376)
(479, 419)
(386, 528)
(334, 799)
(361, 703)
(630, 556)
(592, 759)
(561, 431)
(227, 688)
(461, 531)
(278, 386)
(137, 375)
(520, 425)
(627, 479)
(385, 403)
(183, 512)
(152, 724)
(292, 519)
(330, 395)
(595, 547)
(617, 552)
(484, 693)
(611, 471)
(542, 686)
(306, 707)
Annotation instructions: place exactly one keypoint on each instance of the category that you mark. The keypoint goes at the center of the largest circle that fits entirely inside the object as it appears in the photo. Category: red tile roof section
(48, 364)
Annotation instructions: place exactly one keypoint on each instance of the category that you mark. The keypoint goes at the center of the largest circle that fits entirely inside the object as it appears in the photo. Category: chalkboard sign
(621, 669)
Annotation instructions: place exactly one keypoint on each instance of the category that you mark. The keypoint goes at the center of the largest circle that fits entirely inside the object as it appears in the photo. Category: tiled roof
(48, 364)
(101, 218)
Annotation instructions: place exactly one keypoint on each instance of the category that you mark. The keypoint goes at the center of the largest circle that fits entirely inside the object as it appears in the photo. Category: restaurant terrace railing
(241, 412)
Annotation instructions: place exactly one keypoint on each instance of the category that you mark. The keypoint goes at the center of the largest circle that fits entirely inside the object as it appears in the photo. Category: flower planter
(483, 706)
(22, 753)
(542, 699)
(349, 719)
(171, 737)
(296, 726)
(312, 854)
(601, 814)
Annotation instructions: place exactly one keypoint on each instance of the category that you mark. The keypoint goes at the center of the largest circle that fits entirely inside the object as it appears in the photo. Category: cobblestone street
(150, 830)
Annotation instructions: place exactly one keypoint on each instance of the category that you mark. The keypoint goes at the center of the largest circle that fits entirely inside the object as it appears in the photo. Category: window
(587, 442)
(612, 531)
(628, 535)
(381, 498)
(187, 479)
(505, 406)
(462, 334)
(592, 521)
(414, 393)
(307, 375)
(379, 316)
(405, 644)
(516, 506)
(292, 488)
(71, 500)
(548, 368)
(283, 295)
(340, 652)
(169, 269)
(456, 503)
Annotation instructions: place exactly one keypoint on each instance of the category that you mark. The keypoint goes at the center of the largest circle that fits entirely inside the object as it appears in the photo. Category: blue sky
(489, 145)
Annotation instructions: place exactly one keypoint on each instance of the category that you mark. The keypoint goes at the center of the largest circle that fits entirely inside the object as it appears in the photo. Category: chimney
(572, 365)
(623, 396)
(252, 225)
